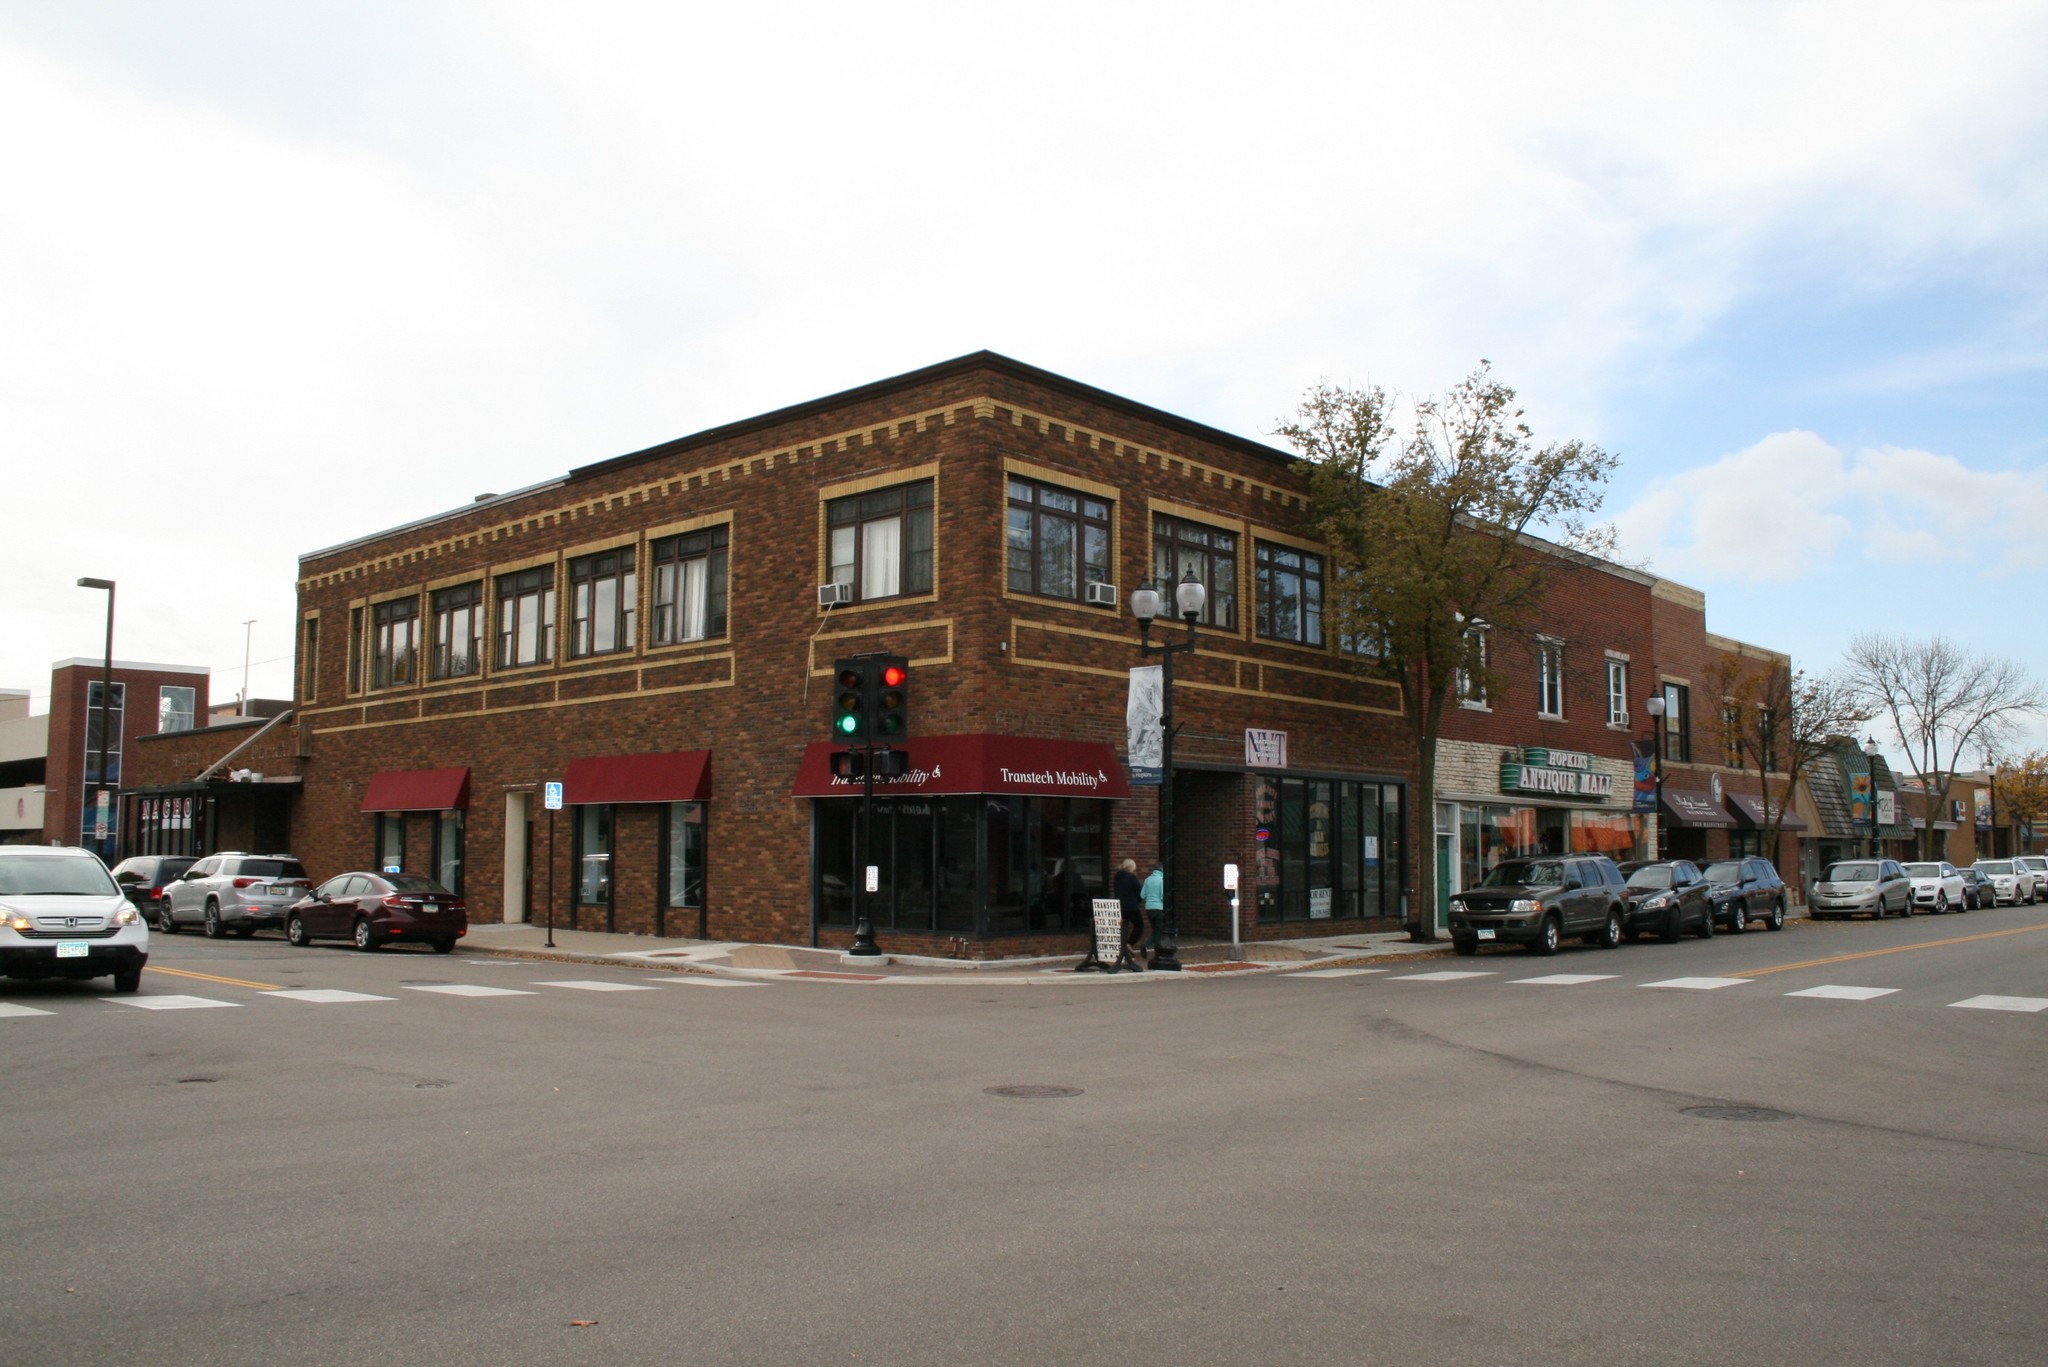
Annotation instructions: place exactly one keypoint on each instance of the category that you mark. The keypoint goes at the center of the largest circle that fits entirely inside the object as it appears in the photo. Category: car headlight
(1662, 899)
(16, 920)
(1522, 904)
(126, 917)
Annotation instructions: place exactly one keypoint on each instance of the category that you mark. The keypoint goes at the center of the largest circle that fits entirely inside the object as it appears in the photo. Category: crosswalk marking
(699, 980)
(467, 990)
(326, 996)
(167, 1003)
(2004, 1004)
(1698, 984)
(1846, 994)
(1446, 976)
(10, 1009)
(1569, 979)
(1335, 972)
(595, 985)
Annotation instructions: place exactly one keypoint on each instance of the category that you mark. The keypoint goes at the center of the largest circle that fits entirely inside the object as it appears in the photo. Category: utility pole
(245, 664)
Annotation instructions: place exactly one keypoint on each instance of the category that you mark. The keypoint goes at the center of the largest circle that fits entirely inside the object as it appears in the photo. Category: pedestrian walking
(1131, 897)
(1153, 895)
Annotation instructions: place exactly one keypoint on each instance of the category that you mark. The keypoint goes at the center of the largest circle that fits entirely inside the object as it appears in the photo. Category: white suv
(61, 916)
(2038, 866)
(1937, 886)
(233, 891)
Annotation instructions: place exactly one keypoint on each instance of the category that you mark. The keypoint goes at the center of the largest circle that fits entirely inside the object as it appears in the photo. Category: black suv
(1537, 902)
(1745, 890)
(1668, 896)
(143, 877)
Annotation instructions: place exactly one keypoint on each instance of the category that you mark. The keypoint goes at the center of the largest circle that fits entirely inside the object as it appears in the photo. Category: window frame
(511, 588)
(190, 714)
(393, 665)
(669, 558)
(309, 657)
(1549, 678)
(1675, 733)
(1083, 569)
(1471, 684)
(857, 513)
(1267, 571)
(1171, 551)
(443, 611)
(1617, 692)
(613, 572)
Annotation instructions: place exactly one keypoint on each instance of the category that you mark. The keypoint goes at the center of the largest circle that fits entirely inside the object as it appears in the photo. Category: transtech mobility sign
(1556, 773)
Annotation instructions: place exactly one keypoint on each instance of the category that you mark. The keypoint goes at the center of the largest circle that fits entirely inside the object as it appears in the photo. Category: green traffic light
(848, 724)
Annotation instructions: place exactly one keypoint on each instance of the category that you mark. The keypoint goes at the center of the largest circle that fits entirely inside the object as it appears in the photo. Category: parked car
(244, 893)
(1862, 887)
(1937, 886)
(1744, 890)
(2008, 883)
(143, 877)
(62, 916)
(1668, 896)
(1537, 902)
(2037, 865)
(371, 908)
(1977, 889)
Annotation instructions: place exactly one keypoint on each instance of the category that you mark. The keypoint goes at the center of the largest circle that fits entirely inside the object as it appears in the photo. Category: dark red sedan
(372, 908)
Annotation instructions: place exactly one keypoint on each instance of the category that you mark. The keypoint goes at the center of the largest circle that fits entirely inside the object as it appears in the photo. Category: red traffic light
(894, 675)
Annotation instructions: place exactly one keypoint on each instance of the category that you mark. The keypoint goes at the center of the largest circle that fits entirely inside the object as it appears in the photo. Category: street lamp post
(1654, 705)
(1871, 752)
(246, 628)
(1188, 598)
(106, 696)
(1991, 770)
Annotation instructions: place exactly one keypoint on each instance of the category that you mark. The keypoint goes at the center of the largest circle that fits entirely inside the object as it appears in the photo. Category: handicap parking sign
(551, 796)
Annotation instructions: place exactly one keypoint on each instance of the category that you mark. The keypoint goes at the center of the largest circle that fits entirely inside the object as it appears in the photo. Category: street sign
(1230, 877)
(874, 878)
(551, 796)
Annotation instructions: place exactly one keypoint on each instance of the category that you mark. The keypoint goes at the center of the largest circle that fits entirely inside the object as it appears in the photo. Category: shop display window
(1335, 851)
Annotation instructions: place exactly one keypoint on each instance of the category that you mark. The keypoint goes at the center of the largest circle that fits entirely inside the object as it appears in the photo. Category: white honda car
(1937, 886)
(62, 916)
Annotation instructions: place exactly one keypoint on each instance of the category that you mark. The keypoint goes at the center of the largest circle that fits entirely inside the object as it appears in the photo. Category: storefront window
(391, 841)
(448, 850)
(594, 855)
(685, 873)
(1487, 834)
(1335, 851)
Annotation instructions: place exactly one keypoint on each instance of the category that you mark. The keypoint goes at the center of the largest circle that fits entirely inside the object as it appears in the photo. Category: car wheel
(1673, 924)
(1706, 930)
(128, 979)
(214, 929)
(1906, 907)
(1738, 916)
(166, 922)
(1941, 903)
(1552, 933)
(1610, 936)
(448, 946)
(295, 931)
(1776, 920)
(366, 939)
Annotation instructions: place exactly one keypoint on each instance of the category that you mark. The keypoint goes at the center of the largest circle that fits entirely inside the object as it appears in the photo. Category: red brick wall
(70, 703)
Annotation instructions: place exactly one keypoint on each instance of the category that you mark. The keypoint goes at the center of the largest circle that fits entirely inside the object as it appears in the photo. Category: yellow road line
(208, 977)
(1895, 949)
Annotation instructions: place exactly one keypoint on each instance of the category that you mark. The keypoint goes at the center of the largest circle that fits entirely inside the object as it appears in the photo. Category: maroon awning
(979, 764)
(1750, 811)
(673, 776)
(1689, 807)
(417, 790)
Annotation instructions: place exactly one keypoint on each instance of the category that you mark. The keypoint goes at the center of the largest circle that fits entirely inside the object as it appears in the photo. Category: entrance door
(518, 882)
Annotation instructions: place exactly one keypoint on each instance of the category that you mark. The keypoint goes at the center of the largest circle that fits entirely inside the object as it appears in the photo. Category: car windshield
(53, 876)
(1923, 871)
(1850, 873)
(1533, 873)
(1995, 867)
(1654, 876)
(1730, 872)
(273, 868)
(412, 882)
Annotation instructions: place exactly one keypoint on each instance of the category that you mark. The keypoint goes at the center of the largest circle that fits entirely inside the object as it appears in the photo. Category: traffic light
(849, 764)
(850, 702)
(890, 713)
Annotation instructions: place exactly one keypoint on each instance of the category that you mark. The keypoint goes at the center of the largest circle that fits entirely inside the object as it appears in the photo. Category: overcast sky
(275, 275)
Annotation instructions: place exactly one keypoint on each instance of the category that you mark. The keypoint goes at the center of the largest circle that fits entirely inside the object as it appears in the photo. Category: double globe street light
(1189, 597)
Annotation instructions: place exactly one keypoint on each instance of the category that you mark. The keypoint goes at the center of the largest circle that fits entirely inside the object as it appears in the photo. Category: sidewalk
(759, 963)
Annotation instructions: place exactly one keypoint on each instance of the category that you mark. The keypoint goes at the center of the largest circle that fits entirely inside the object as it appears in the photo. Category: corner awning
(1689, 807)
(979, 764)
(671, 776)
(1750, 812)
(417, 790)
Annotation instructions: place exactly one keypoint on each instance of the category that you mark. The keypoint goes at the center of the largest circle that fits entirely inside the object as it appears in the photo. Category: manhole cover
(430, 1086)
(1030, 1093)
(1735, 1113)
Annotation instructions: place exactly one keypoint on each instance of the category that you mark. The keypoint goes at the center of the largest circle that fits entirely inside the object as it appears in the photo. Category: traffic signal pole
(863, 923)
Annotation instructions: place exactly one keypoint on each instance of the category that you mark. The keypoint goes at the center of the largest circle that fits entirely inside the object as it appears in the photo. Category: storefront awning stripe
(1688, 807)
(417, 790)
(672, 776)
(979, 764)
(1750, 812)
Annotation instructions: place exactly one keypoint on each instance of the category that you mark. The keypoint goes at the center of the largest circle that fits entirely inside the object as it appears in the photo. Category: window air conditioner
(834, 595)
(1104, 594)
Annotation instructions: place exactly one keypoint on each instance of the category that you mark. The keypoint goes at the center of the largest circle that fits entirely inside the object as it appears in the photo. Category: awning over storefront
(1689, 807)
(1750, 812)
(673, 776)
(417, 790)
(979, 764)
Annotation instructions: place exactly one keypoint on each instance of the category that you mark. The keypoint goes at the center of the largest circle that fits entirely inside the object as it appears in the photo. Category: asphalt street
(1371, 1166)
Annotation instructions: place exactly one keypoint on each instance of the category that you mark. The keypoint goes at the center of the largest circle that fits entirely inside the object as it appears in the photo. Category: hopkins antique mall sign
(1554, 773)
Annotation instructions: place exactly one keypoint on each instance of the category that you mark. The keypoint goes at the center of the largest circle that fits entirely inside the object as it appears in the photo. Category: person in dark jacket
(1130, 896)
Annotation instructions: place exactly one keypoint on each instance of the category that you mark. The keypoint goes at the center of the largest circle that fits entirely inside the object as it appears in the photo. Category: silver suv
(233, 891)
(61, 916)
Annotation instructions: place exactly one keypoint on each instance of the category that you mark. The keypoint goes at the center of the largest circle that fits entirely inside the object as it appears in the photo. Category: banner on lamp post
(1144, 738)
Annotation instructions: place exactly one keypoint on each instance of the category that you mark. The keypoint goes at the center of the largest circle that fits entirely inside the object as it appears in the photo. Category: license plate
(430, 906)
(73, 949)
(1486, 934)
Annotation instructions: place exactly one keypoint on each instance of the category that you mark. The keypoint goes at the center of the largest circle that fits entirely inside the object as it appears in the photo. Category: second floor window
(395, 640)
(1179, 546)
(1677, 724)
(458, 631)
(309, 661)
(1472, 681)
(1549, 679)
(1290, 594)
(174, 708)
(1058, 541)
(1731, 735)
(526, 617)
(881, 542)
(689, 585)
(1617, 692)
(604, 595)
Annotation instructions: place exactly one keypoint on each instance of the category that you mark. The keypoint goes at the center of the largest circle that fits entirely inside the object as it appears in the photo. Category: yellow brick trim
(1045, 474)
